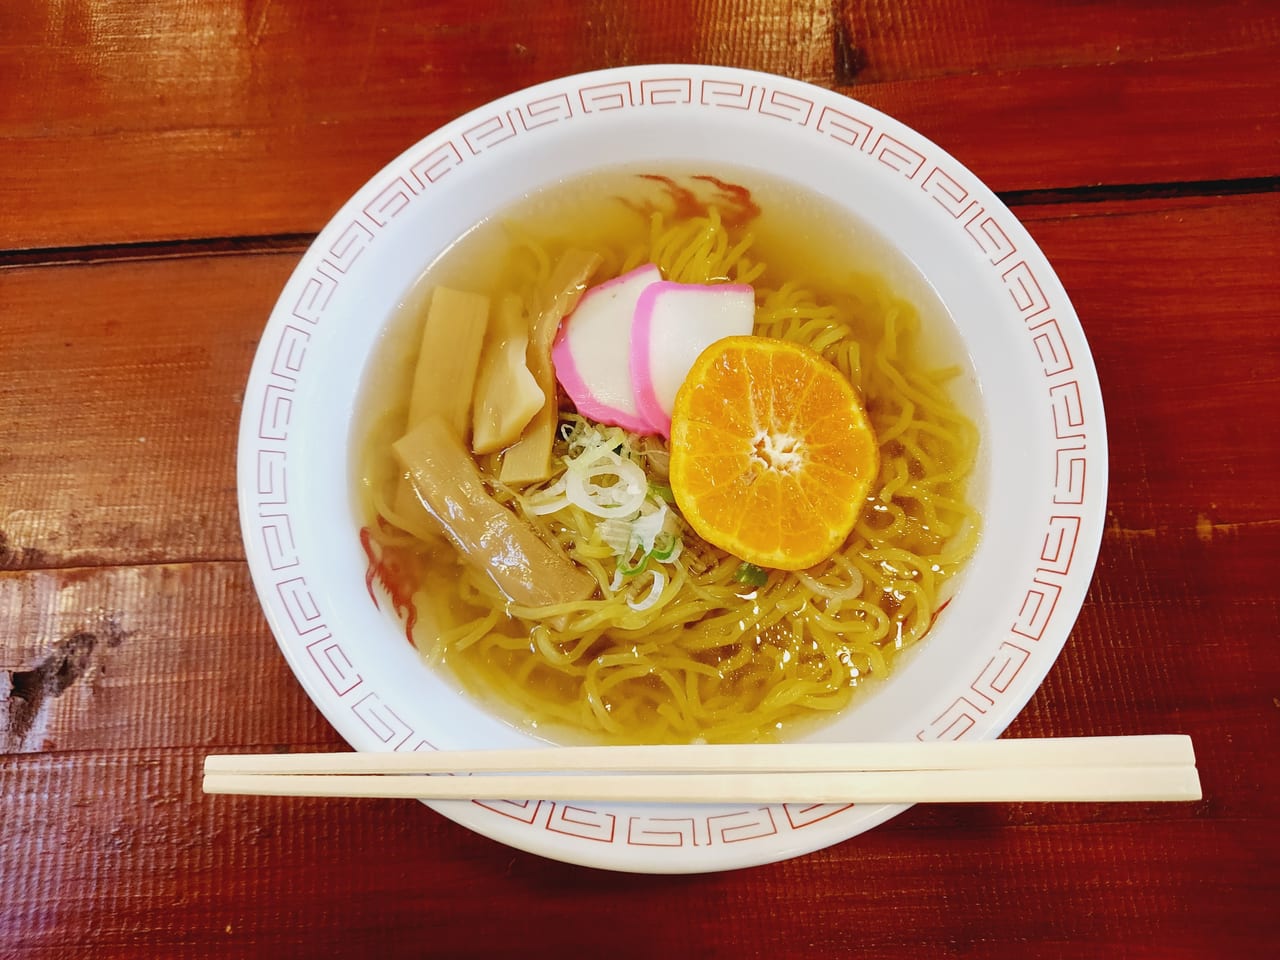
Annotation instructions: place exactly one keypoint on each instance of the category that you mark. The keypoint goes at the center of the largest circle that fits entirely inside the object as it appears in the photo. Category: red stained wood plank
(1176, 299)
(170, 655)
(130, 639)
(141, 670)
(1176, 630)
(139, 657)
(181, 120)
(99, 782)
(122, 405)
(885, 40)
(1048, 127)
(154, 67)
(271, 877)
(136, 461)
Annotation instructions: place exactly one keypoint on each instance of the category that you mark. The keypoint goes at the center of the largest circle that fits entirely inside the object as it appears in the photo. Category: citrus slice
(771, 452)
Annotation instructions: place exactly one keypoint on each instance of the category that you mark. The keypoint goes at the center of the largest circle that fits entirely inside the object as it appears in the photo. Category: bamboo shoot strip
(507, 395)
(445, 377)
(529, 459)
(443, 381)
(490, 537)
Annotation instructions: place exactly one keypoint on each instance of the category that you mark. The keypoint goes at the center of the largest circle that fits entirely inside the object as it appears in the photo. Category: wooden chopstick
(1070, 769)
(1149, 750)
(1102, 784)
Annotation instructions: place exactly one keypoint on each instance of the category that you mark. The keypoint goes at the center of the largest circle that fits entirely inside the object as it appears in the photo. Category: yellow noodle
(715, 659)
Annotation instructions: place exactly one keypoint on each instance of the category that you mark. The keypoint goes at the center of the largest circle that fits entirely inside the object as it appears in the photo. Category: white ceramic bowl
(1043, 493)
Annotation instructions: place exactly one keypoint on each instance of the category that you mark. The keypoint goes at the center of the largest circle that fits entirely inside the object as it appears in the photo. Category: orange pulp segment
(771, 452)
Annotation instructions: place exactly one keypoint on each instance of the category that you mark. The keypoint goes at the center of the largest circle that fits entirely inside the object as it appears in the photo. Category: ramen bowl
(1040, 483)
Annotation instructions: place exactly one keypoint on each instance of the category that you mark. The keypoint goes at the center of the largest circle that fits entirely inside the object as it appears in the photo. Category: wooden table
(163, 165)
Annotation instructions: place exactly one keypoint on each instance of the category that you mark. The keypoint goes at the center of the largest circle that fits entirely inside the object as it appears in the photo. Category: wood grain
(118, 442)
(135, 672)
(294, 874)
(143, 657)
(164, 165)
(175, 655)
(179, 665)
(160, 66)
(195, 120)
(882, 40)
(137, 461)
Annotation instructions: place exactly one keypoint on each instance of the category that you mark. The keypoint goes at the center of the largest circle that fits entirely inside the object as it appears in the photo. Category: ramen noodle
(695, 645)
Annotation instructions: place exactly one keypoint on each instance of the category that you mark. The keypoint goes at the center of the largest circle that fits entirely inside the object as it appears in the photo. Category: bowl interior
(1041, 484)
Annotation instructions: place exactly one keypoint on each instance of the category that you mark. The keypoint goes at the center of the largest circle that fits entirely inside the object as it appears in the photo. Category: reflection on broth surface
(555, 575)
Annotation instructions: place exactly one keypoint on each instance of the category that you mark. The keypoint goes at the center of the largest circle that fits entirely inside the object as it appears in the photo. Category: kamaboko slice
(674, 323)
(592, 351)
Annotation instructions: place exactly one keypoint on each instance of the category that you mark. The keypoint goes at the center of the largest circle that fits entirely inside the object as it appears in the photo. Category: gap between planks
(298, 242)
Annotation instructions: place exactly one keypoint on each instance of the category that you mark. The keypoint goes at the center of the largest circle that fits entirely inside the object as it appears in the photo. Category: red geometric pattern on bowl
(955, 204)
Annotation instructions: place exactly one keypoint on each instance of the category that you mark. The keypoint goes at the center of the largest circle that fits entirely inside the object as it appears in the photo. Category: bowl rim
(870, 136)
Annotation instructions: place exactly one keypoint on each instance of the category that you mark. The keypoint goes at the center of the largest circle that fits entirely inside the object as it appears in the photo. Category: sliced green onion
(663, 491)
(547, 500)
(652, 597)
(604, 477)
(752, 575)
(617, 499)
(646, 527)
(615, 534)
(665, 547)
(848, 591)
(629, 569)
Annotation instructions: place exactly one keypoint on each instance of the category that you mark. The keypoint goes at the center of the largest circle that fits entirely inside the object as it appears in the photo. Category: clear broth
(800, 235)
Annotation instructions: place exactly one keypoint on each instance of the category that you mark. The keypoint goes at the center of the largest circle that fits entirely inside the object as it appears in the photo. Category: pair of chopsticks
(1100, 769)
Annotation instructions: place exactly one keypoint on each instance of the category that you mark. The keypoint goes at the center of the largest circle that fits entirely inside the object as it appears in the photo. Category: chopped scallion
(663, 491)
(752, 575)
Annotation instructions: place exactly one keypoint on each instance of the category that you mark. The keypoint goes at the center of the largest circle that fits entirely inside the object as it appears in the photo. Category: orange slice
(771, 452)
